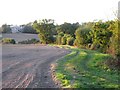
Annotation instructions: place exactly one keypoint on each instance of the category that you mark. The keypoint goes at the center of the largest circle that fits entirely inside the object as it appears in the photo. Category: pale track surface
(28, 66)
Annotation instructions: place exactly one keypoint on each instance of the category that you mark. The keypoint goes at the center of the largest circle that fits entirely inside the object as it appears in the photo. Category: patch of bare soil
(28, 66)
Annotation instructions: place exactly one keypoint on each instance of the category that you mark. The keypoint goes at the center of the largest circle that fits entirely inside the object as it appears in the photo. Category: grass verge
(86, 69)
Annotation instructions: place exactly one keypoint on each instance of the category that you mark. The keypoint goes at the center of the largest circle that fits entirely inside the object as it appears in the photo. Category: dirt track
(28, 66)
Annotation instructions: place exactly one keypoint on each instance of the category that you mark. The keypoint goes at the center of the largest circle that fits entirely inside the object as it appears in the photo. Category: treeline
(25, 28)
(5, 29)
(101, 36)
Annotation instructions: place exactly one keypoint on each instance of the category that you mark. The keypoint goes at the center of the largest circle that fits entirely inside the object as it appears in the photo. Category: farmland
(28, 66)
(20, 36)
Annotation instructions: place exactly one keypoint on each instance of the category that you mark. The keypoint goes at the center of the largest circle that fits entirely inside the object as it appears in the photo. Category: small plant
(8, 41)
(31, 41)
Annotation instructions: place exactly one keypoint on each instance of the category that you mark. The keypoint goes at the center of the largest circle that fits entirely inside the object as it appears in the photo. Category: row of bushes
(64, 39)
(101, 36)
(31, 41)
(8, 41)
(12, 41)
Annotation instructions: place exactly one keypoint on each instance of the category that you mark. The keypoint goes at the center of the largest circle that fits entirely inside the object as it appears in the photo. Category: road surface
(28, 66)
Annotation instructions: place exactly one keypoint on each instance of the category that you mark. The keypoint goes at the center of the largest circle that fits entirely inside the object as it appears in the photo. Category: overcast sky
(25, 11)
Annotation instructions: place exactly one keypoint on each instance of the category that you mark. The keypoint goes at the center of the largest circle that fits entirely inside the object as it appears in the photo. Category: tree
(59, 38)
(114, 47)
(67, 28)
(64, 39)
(70, 41)
(45, 29)
(83, 37)
(101, 36)
(6, 28)
(28, 29)
(0, 29)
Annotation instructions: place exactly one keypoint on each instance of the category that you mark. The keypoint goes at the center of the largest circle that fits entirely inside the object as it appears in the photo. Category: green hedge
(8, 41)
(31, 41)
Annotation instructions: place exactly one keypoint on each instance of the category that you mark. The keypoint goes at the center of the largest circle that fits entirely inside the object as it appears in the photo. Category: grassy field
(86, 69)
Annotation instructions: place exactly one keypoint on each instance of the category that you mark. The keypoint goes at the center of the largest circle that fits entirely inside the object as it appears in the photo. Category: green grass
(86, 69)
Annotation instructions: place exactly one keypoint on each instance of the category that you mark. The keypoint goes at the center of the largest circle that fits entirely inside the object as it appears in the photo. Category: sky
(19, 12)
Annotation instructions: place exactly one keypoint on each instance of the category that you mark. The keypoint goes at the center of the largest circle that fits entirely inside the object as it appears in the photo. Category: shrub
(76, 43)
(29, 29)
(64, 39)
(31, 41)
(5, 29)
(59, 38)
(83, 37)
(8, 41)
(70, 40)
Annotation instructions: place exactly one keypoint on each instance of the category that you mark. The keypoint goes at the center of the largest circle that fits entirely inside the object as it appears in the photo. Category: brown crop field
(20, 36)
(28, 66)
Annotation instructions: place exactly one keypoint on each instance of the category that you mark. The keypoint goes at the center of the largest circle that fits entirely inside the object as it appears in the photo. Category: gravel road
(28, 66)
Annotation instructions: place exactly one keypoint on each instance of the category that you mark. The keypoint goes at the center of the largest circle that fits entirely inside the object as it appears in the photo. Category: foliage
(8, 41)
(45, 29)
(31, 41)
(114, 48)
(1, 30)
(67, 28)
(28, 29)
(83, 37)
(101, 36)
(64, 39)
(59, 38)
(118, 42)
(70, 41)
(6, 28)
(85, 68)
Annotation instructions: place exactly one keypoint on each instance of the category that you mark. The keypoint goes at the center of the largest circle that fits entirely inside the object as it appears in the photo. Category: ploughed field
(20, 36)
(28, 66)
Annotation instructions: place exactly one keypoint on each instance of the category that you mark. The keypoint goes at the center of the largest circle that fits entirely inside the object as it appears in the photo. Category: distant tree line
(5, 29)
(27, 28)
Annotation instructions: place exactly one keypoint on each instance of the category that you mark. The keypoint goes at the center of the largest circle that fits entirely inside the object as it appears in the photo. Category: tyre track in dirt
(28, 66)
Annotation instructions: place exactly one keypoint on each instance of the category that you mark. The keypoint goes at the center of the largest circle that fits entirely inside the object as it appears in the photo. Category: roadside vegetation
(100, 36)
(5, 29)
(96, 61)
(8, 41)
(29, 41)
(87, 69)
(27, 28)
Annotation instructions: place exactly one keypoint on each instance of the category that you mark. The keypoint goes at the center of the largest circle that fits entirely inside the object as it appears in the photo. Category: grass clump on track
(86, 69)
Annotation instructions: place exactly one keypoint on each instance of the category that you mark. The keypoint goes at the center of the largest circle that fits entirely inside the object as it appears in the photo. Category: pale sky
(25, 11)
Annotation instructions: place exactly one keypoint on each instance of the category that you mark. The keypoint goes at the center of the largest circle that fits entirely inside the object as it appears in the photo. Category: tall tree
(6, 28)
(45, 29)
(101, 35)
(28, 29)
